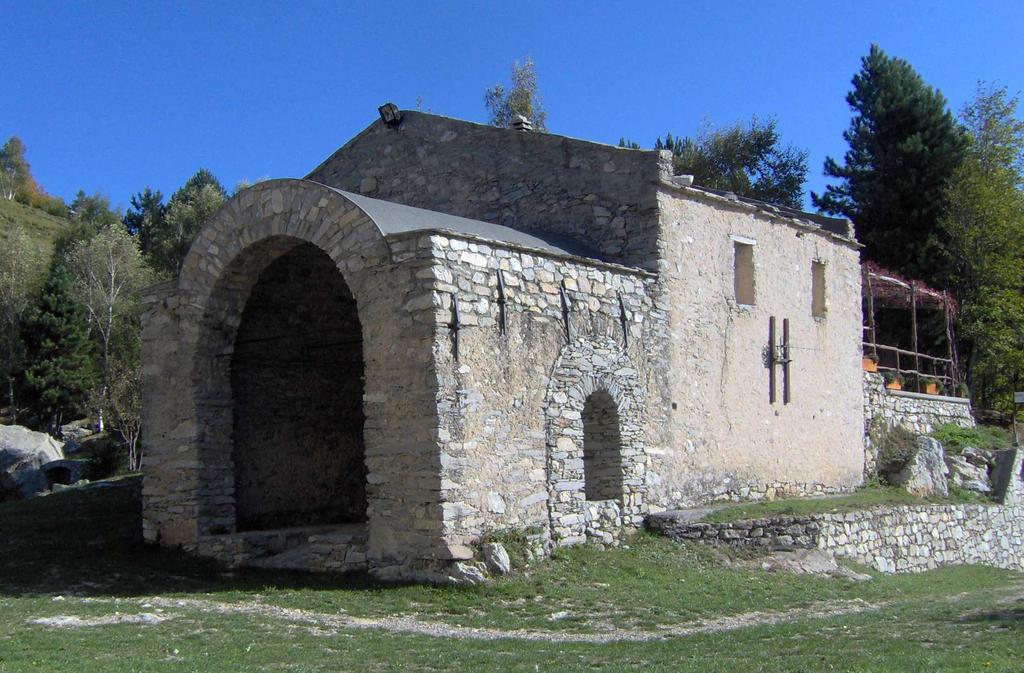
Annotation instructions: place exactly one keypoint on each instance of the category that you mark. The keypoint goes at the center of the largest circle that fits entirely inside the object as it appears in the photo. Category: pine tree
(61, 369)
(904, 148)
(748, 160)
(188, 210)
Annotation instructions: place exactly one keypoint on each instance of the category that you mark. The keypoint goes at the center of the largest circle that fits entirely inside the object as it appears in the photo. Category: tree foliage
(60, 369)
(520, 99)
(904, 148)
(984, 227)
(146, 217)
(747, 159)
(14, 169)
(188, 210)
(19, 277)
(108, 272)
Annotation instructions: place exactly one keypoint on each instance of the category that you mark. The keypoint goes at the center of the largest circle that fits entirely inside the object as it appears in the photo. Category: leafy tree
(146, 217)
(904, 149)
(745, 159)
(88, 215)
(19, 276)
(108, 272)
(61, 369)
(14, 170)
(188, 210)
(984, 227)
(521, 99)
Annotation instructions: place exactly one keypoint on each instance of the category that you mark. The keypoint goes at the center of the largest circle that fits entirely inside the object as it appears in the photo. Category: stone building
(448, 330)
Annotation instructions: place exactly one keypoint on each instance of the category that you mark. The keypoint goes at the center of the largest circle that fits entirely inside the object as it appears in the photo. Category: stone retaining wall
(889, 539)
(914, 411)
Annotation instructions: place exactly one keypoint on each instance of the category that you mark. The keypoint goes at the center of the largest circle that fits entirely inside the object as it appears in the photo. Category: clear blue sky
(112, 97)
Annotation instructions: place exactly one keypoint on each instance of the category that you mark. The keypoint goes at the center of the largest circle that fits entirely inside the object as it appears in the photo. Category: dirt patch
(73, 622)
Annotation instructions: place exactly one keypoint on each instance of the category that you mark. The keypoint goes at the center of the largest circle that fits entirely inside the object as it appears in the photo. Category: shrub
(954, 438)
(896, 447)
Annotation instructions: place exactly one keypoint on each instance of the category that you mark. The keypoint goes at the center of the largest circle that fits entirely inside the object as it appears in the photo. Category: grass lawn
(75, 558)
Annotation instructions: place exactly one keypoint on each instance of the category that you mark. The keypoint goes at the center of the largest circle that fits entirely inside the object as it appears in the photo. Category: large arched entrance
(297, 387)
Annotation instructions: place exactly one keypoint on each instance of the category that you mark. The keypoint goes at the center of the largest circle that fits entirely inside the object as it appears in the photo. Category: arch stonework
(584, 367)
(188, 336)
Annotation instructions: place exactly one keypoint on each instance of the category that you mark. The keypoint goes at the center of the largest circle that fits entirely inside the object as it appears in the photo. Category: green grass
(78, 552)
(41, 227)
(864, 498)
(954, 438)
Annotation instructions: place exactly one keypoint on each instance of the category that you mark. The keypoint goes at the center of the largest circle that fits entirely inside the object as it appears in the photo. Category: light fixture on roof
(389, 114)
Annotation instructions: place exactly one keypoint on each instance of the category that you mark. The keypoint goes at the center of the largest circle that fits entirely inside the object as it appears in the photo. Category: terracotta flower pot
(869, 365)
(931, 389)
(894, 385)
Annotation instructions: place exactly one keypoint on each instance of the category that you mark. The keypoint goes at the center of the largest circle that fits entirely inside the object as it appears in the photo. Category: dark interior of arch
(602, 450)
(297, 385)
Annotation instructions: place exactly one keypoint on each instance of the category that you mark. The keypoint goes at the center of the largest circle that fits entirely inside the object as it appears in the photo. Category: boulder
(496, 558)
(73, 434)
(925, 473)
(22, 454)
(979, 457)
(968, 475)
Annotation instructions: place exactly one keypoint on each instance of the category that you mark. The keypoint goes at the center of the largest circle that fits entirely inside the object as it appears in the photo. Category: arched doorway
(297, 379)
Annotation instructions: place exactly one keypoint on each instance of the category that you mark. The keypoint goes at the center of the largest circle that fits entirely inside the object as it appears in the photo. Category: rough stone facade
(889, 539)
(329, 359)
(916, 412)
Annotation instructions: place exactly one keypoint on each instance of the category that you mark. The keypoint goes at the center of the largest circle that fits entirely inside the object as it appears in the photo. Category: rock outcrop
(22, 455)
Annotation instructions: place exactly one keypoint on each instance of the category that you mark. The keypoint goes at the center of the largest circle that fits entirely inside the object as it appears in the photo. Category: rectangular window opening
(818, 289)
(743, 271)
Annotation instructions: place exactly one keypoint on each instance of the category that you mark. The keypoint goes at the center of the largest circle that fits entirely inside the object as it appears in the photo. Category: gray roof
(835, 225)
(396, 218)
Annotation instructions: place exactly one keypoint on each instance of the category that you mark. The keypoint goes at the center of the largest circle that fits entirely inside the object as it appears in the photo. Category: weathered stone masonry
(341, 382)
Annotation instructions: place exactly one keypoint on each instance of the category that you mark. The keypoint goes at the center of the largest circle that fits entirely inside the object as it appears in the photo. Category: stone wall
(729, 441)
(598, 195)
(918, 413)
(189, 334)
(515, 373)
(889, 539)
(915, 411)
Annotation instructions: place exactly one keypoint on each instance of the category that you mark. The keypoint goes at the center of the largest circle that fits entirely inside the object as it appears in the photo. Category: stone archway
(297, 396)
(595, 447)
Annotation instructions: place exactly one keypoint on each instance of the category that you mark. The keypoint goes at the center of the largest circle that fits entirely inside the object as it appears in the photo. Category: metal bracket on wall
(566, 307)
(623, 320)
(455, 324)
(502, 325)
(778, 354)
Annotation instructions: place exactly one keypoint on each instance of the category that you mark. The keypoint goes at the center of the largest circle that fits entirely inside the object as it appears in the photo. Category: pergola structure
(885, 289)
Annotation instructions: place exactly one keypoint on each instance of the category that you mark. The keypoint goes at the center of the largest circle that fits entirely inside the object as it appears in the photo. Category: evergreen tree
(744, 159)
(146, 217)
(904, 148)
(61, 369)
(520, 100)
(188, 210)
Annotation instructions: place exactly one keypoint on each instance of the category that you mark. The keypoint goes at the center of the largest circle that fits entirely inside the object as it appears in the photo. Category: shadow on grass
(88, 541)
(1010, 617)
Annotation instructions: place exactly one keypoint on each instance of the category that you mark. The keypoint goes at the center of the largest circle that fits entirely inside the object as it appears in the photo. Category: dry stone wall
(889, 539)
(916, 412)
(515, 369)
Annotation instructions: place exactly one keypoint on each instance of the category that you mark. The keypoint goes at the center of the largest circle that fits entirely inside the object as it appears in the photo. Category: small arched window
(602, 448)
